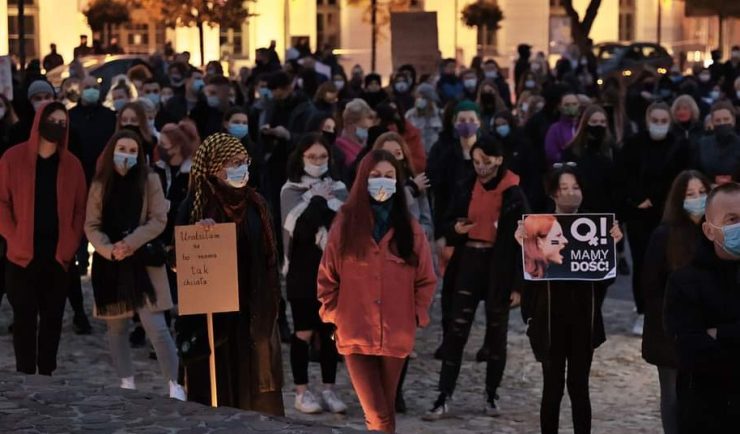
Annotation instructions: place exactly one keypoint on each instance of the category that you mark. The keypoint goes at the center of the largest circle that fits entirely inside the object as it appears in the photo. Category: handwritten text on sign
(207, 279)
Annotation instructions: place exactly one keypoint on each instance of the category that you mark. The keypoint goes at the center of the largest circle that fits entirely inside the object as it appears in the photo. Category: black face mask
(488, 98)
(329, 136)
(52, 132)
(596, 132)
(723, 132)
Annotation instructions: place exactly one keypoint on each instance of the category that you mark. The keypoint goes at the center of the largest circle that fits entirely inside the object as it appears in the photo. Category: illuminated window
(328, 27)
(627, 12)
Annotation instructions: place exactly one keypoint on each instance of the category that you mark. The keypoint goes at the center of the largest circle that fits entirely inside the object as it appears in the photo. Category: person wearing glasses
(309, 201)
(43, 230)
(248, 360)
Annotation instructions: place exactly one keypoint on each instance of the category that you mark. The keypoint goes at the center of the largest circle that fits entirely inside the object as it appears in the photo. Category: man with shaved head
(702, 313)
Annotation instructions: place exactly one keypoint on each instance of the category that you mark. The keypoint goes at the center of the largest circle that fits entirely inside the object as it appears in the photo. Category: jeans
(159, 335)
(375, 379)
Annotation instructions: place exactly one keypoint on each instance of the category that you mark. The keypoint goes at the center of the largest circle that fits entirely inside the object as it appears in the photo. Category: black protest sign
(569, 247)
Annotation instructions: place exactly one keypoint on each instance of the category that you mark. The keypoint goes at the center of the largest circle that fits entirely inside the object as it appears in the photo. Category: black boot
(137, 338)
(81, 324)
(482, 354)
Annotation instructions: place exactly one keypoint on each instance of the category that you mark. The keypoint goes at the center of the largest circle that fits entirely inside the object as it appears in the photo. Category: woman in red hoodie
(375, 284)
(42, 211)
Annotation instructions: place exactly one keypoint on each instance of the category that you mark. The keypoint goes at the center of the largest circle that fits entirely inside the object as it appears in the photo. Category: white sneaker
(638, 326)
(128, 383)
(177, 392)
(332, 402)
(307, 403)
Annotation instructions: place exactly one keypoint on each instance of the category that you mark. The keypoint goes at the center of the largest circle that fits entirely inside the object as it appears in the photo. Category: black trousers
(472, 287)
(707, 410)
(75, 290)
(38, 294)
(638, 235)
(570, 344)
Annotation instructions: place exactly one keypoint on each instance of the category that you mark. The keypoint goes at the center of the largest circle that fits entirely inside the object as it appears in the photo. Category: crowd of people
(366, 199)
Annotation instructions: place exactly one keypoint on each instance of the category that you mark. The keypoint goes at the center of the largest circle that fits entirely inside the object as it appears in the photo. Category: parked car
(103, 67)
(620, 59)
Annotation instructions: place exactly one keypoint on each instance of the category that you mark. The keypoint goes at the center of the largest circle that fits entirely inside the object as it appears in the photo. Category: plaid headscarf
(211, 156)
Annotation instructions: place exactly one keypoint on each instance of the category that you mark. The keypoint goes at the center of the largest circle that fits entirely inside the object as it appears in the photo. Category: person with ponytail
(248, 361)
(375, 284)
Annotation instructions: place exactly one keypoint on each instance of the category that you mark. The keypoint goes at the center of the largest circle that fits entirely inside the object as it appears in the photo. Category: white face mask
(381, 189)
(658, 132)
(314, 170)
(237, 177)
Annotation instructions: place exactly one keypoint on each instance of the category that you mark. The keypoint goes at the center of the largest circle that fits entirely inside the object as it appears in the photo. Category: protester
(647, 166)
(249, 380)
(480, 223)
(42, 212)
(39, 93)
(126, 211)
(8, 118)
(356, 119)
(490, 103)
(392, 292)
(702, 311)
(560, 134)
(564, 320)
(310, 199)
(672, 246)
(208, 112)
(718, 154)
(372, 92)
(686, 122)
(132, 117)
(425, 115)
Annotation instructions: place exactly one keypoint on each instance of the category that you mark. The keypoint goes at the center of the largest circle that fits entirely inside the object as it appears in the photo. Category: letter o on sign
(592, 230)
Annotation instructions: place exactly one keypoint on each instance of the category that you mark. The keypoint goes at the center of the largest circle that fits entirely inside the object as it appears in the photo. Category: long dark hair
(683, 235)
(143, 126)
(106, 169)
(579, 142)
(295, 169)
(357, 215)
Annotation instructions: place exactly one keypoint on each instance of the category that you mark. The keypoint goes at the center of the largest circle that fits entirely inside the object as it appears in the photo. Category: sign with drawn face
(569, 247)
(207, 277)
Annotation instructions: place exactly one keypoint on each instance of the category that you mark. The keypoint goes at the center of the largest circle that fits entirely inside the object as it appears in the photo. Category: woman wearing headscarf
(248, 361)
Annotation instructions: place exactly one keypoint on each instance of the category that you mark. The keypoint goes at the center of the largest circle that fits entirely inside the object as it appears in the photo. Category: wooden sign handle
(212, 361)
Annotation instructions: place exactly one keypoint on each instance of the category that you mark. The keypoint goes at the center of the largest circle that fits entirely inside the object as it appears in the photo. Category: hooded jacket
(17, 196)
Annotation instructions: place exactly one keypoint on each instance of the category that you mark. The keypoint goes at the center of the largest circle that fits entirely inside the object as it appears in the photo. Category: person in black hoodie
(480, 223)
(564, 320)
(517, 149)
(671, 247)
(686, 122)
(702, 314)
(718, 154)
(209, 112)
(648, 164)
(373, 92)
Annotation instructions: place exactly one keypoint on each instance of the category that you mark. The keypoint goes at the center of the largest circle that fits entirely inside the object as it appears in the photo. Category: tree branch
(590, 17)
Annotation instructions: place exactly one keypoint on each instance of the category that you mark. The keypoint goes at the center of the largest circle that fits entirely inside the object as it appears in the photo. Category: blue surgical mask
(339, 84)
(503, 130)
(119, 103)
(213, 101)
(237, 177)
(314, 170)
(731, 235)
(421, 103)
(198, 85)
(401, 87)
(361, 134)
(265, 93)
(154, 98)
(695, 206)
(714, 95)
(470, 83)
(239, 130)
(381, 189)
(90, 96)
(124, 161)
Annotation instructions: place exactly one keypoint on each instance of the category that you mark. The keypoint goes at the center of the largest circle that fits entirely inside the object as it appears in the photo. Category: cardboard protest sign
(569, 247)
(414, 41)
(207, 280)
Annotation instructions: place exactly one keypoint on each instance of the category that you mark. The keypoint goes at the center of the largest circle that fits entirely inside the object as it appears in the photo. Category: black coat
(92, 127)
(175, 188)
(706, 295)
(597, 174)
(717, 157)
(208, 120)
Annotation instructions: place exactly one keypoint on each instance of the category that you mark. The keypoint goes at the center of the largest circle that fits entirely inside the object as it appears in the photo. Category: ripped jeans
(472, 285)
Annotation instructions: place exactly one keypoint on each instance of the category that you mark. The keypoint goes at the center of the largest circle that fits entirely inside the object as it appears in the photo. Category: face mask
(150, 122)
(491, 75)
(314, 170)
(164, 155)
(695, 207)
(37, 104)
(213, 101)
(658, 132)
(723, 131)
(529, 84)
(487, 99)
(339, 84)
(165, 98)
(401, 86)
(329, 136)
(118, 104)
(52, 132)
(714, 95)
(737, 94)
(237, 177)
(569, 111)
(2, 112)
(597, 132)
(421, 103)
(238, 130)
(154, 98)
(503, 130)
(466, 130)
(198, 85)
(485, 171)
(731, 234)
(265, 93)
(569, 202)
(90, 96)
(361, 134)
(525, 107)
(176, 80)
(123, 161)
(676, 78)
(704, 78)
(381, 189)
(470, 83)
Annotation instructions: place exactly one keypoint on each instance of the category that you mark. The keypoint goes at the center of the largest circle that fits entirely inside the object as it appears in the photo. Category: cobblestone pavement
(624, 389)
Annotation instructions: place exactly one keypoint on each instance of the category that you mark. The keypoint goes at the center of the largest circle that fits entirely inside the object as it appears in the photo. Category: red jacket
(17, 196)
(377, 303)
(412, 137)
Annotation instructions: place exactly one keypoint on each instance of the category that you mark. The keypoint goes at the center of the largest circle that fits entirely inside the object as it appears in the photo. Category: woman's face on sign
(552, 244)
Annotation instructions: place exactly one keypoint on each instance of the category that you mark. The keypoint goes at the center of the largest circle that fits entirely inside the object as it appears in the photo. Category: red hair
(535, 228)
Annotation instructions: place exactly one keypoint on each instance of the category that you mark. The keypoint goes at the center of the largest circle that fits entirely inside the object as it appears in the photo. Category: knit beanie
(466, 105)
(40, 86)
(427, 91)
